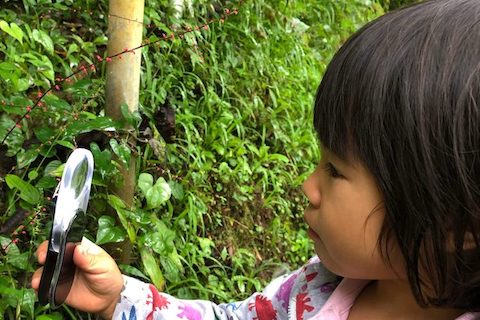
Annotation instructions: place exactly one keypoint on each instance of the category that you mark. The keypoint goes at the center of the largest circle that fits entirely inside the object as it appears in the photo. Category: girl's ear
(470, 242)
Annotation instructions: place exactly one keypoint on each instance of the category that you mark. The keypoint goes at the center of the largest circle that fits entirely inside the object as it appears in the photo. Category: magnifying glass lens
(67, 228)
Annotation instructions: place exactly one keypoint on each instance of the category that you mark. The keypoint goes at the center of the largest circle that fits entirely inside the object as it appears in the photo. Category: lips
(312, 234)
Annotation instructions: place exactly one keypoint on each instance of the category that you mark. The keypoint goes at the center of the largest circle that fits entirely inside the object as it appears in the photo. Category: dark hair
(402, 96)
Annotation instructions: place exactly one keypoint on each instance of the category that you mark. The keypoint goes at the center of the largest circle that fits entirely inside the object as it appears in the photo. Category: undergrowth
(223, 139)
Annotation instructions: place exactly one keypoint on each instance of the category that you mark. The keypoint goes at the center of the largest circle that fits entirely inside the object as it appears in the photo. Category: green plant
(217, 211)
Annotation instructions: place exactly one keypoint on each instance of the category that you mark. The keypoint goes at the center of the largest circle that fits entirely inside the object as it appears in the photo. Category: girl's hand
(98, 281)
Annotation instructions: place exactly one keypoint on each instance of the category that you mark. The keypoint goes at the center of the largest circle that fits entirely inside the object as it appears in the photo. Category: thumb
(91, 258)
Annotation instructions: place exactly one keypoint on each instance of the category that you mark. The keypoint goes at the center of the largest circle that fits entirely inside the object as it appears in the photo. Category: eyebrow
(346, 162)
(331, 154)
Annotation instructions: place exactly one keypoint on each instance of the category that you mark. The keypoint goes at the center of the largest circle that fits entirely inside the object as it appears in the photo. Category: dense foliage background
(223, 139)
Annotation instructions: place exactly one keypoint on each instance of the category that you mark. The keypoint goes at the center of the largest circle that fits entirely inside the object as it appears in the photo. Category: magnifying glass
(68, 226)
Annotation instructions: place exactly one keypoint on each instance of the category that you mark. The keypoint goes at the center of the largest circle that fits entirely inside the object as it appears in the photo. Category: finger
(36, 278)
(42, 252)
(91, 258)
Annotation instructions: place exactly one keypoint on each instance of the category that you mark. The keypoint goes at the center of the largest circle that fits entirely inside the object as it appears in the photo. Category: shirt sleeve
(141, 300)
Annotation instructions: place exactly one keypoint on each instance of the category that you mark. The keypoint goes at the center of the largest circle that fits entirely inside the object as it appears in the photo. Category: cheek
(349, 244)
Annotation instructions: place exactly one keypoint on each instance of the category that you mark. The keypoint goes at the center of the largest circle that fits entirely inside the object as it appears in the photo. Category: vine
(93, 66)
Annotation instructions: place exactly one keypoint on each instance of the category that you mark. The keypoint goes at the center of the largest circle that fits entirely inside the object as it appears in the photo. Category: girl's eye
(332, 171)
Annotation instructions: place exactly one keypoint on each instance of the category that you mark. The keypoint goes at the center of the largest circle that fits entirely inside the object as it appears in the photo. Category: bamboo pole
(125, 27)
(123, 75)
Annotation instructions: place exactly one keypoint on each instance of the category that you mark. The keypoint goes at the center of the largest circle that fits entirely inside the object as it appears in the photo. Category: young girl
(394, 203)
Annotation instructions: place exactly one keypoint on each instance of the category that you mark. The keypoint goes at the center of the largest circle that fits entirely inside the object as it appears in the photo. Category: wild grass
(218, 209)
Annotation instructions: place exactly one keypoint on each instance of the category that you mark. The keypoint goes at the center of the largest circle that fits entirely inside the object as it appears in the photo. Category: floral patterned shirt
(311, 292)
(298, 295)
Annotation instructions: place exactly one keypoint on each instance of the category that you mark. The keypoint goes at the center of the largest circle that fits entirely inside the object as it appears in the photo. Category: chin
(325, 258)
(331, 265)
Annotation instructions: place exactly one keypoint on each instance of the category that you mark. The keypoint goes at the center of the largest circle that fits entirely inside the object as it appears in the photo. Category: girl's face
(345, 217)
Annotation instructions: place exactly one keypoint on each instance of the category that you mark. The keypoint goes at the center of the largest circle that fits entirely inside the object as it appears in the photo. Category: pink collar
(339, 303)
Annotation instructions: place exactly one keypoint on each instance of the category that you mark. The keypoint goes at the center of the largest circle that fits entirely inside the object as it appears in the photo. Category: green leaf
(101, 40)
(14, 140)
(9, 71)
(153, 198)
(32, 175)
(122, 213)
(44, 39)
(151, 267)
(47, 151)
(28, 301)
(115, 146)
(87, 125)
(44, 133)
(122, 152)
(10, 296)
(24, 158)
(51, 316)
(86, 114)
(42, 62)
(177, 190)
(279, 157)
(54, 169)
(66, 144)
(57, 104)
(13, 30)
(27, 192)
(108, 232)
(158, 194)
(132, 271)
(160, 240)
(7, 66)
(103, 159)
(72, 48)
(145, 182)
(14, 257)
(116, 202)
(21, 84)
(132, 118)
(81, 88)
(206, 244)
(172, 266)
(46, 182)
(19, 261)
(16, 32)
(4, 242)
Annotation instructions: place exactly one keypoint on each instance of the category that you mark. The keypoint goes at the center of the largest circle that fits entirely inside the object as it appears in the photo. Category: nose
(311, 188)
